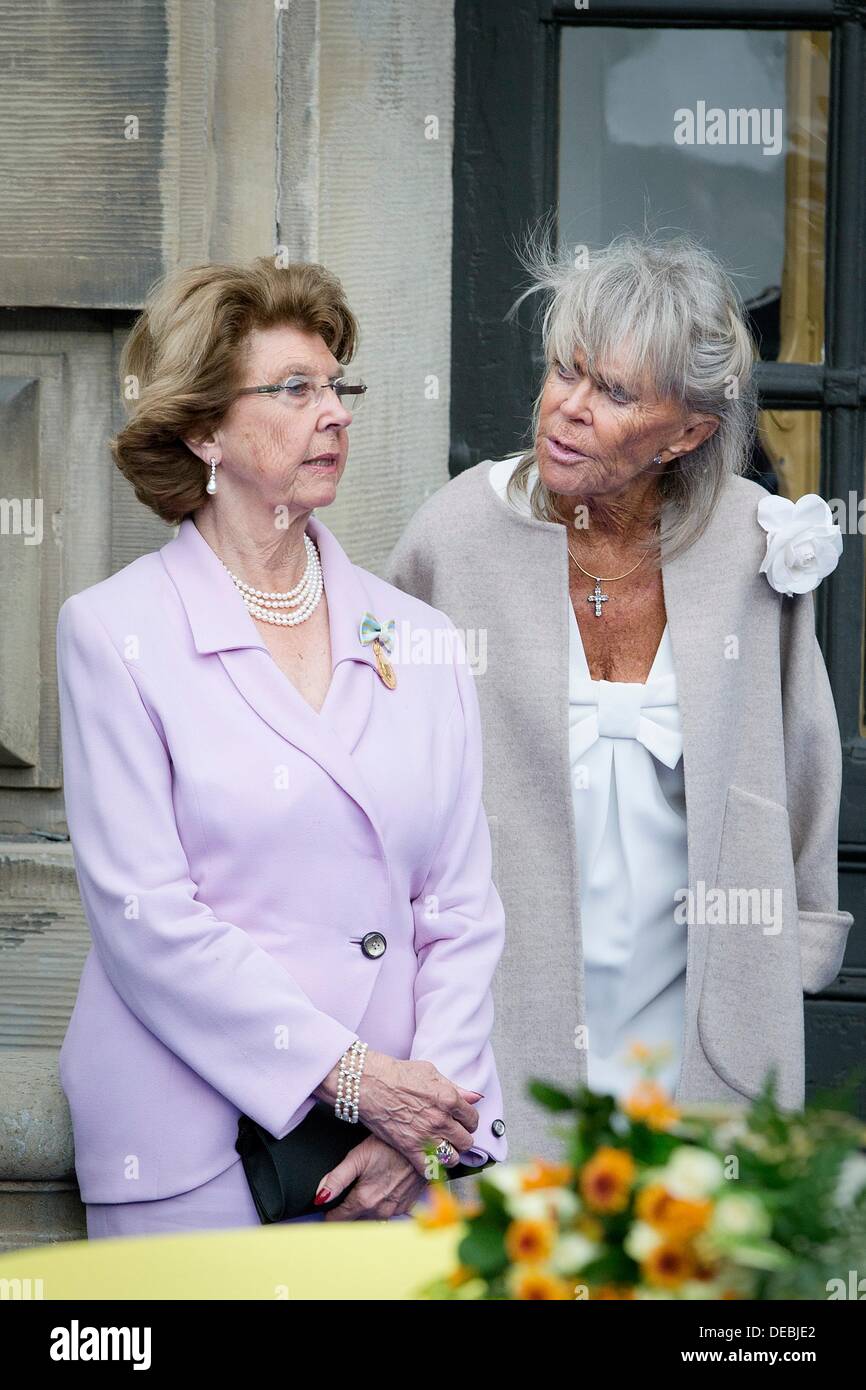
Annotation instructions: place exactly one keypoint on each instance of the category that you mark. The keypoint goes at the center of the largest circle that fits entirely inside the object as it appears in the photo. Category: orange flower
(440, 1209)
(539, 1283)
(543, 1174)
(650, 1203)
(529, 1241)
(669, 1265)
(611, 1291)
(605, 1181)
(649, 1101)
(675, 1217)
(591, 1227)
(704, 1273)
(461, 1275)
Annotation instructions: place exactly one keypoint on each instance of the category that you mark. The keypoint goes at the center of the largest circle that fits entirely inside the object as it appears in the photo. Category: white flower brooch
(803, 542)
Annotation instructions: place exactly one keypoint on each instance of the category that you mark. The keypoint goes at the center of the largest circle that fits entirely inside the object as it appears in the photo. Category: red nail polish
(321, 1197)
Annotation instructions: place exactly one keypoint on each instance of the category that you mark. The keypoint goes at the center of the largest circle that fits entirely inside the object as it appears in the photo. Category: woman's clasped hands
(406, 1106)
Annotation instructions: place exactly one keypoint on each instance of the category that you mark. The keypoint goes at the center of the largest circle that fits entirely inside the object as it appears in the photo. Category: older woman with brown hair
(277, 826)
(662, 757)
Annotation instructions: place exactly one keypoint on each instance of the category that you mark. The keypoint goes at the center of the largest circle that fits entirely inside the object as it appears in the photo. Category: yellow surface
(357, 1260)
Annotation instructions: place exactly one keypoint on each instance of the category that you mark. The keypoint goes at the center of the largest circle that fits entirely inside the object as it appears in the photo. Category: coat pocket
(750, 1016)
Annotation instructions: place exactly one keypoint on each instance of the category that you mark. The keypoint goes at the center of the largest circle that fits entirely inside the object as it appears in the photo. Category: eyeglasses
(301, 391)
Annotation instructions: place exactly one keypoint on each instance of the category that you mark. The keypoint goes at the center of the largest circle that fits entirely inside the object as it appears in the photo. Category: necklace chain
(600, 578)
(597, 597)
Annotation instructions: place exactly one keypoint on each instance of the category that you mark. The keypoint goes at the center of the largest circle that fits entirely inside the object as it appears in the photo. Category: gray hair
(673, 314)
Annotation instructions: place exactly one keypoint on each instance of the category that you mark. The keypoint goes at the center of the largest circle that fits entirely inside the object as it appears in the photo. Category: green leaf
(759, 1254)
(550, 1096)
(494, 1200)
(483, 1248)
(612, 1267)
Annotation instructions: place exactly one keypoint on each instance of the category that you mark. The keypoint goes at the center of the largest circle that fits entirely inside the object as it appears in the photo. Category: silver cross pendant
(597, 597)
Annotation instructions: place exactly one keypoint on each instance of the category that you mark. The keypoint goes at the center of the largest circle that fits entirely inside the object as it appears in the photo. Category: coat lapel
(704, 612)
(700, 616)
(220, 624)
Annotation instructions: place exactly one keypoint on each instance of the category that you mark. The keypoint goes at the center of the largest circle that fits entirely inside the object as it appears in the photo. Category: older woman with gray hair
(662, 755)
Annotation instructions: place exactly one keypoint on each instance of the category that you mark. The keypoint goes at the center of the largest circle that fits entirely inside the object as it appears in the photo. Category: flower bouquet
(652, 1201)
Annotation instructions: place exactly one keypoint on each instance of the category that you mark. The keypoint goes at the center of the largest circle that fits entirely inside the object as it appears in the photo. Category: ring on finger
(445, 1152)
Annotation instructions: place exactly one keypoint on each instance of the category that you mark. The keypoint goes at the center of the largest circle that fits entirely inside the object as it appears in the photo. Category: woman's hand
(387, 1185)
(410, 1105)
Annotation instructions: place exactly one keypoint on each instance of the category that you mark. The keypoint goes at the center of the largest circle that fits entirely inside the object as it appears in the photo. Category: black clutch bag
(284, 1174)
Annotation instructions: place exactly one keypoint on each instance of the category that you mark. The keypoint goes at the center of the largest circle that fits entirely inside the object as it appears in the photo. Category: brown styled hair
(181, 365)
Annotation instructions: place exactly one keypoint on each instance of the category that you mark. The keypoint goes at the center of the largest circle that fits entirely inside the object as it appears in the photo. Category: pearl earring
(211, 485)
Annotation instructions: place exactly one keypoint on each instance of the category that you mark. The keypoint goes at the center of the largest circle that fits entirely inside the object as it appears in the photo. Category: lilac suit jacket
(233, 848)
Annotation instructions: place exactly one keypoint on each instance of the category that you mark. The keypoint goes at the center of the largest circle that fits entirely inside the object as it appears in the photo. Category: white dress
(625, 747)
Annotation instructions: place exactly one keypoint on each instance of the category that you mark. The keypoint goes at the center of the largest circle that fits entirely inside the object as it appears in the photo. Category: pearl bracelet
(351, 1067)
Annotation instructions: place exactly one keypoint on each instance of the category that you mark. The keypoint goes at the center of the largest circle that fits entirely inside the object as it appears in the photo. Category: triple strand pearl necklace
(304, 597)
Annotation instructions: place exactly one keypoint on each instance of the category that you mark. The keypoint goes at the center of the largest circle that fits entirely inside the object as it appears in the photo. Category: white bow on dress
(619, 709)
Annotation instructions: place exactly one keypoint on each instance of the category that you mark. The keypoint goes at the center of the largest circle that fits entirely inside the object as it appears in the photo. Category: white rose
(543, 1204)
(740, 1216)
(641, 1240)
(572, 1252)
(699, 1290)
(529, 1206)
(803, 542)
(565, 1203)
(508, 1177)
(852, 1177)
(692, 1173)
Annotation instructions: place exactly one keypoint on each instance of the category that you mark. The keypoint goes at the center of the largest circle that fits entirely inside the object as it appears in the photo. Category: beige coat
(762, 766)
